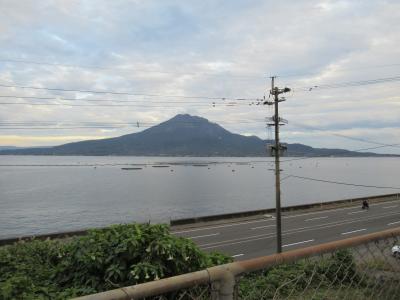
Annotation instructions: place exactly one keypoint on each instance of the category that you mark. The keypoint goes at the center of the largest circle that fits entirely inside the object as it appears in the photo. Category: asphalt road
(253, 238)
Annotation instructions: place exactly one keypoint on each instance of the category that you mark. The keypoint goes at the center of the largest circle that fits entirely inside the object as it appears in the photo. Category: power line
(340, 70)
(309, 88)
(202, 73)
(138, 102)
(97, 100)
(383, 146)
(119, 105)
(344, 136)
(125, 69)
(345, 183)
(325, 156)
(364, 140)
(57, 125)
(125, 93)
(235, 121)
(348, 84)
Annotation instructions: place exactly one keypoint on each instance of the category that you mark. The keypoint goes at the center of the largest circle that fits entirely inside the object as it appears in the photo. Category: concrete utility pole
(276, 149)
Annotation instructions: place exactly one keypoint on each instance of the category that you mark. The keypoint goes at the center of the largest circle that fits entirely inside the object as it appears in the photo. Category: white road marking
(239, 242)
(237, 255)
(201, 236)
(263, 226)
(390, 206)
(298, 243)
(356, 212)
(255, 237)
(319, 218)
(220, 226)
(289, 232)
(337, 209)
(349, 232)
(273, 219)
(319, 212)
(386, 202)
(393, 223)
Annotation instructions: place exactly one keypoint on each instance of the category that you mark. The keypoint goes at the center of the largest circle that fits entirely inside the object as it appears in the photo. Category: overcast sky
(205, 49)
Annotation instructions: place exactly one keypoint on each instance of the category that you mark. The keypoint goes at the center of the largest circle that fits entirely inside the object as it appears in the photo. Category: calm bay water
(42, 194)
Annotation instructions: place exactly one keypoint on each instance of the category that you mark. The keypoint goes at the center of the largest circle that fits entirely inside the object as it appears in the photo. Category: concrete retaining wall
(320, 205)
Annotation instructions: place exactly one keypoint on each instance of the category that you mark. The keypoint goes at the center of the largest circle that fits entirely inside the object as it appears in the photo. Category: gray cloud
(211, 48)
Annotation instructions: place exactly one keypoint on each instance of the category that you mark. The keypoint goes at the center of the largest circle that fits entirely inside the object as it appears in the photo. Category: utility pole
(276, 150)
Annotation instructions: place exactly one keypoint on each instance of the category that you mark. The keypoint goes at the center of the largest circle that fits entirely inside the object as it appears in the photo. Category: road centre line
(393, 223)
(273, 219)
(237, 255)
(298, 243)
(386, 202)
(357, 212)
(318, 212)
(319, 218)
(201, 236)
(239, 239)
(335, 224)
(289, 232)
(337, 209)
(263, 226)
(390, 206)
(258, 237)
(250, 222)
(349, 232)
(308, 228)
(237, 242)
(220, 226)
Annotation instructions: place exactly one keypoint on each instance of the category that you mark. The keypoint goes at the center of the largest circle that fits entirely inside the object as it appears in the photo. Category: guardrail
(355, 268)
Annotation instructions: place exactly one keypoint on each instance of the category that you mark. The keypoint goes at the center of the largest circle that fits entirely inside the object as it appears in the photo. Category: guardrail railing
(362, 267)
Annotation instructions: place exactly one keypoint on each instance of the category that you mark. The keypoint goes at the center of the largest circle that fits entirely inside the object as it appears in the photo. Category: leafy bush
(295, 277)
(103, 259)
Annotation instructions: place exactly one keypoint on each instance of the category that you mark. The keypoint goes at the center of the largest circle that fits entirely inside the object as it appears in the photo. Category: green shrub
(295, 277)
(103, 259)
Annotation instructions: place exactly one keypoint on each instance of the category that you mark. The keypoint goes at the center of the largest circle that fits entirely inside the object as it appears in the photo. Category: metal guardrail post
(224, 279)
(227, 287)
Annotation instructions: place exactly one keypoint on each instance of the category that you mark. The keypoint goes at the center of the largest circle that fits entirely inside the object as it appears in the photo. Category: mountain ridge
(182, 135)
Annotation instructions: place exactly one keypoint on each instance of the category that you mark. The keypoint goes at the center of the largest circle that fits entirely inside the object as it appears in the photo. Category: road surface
(253, 238)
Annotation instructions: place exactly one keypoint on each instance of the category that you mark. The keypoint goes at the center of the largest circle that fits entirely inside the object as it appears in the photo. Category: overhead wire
(106, 105)
(343, 183)
(60, 125)
(202, 73)
(102, 100)
(316, 87)
(130, 69)
(325, 156)
(125, 93)
(343, 135)
(306, 88)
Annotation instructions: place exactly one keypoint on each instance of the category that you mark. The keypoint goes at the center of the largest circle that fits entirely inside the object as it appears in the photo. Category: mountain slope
(183, 135)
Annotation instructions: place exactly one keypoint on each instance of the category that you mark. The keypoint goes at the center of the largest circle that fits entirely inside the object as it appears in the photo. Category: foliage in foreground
(104, 259)
(292, 280)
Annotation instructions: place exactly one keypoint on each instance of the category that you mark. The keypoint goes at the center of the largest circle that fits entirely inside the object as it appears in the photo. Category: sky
(213, 59)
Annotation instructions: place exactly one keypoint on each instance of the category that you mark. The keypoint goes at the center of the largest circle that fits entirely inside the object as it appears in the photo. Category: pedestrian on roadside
(365, 204)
